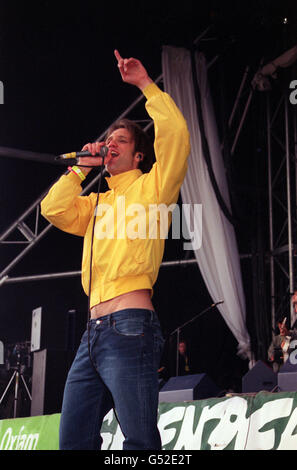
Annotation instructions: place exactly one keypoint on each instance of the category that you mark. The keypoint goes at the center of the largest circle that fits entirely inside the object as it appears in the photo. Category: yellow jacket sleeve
(65, 209)
(171, 145)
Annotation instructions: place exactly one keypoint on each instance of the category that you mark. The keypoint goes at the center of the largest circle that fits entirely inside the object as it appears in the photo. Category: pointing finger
(117, 55)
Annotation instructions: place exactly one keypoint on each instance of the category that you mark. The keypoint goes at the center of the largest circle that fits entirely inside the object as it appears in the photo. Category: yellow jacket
(126, 256)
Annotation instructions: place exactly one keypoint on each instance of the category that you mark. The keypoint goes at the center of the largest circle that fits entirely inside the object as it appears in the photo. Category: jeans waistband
(125, 314)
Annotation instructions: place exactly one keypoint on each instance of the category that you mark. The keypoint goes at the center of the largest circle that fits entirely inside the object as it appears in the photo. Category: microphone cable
(103, 155)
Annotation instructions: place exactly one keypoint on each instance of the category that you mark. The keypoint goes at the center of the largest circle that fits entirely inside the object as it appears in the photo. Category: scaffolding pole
(281, 204)
(65, 275)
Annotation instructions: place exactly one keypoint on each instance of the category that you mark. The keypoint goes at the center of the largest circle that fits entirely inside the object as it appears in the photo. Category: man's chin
(109, 167)
(112, 169)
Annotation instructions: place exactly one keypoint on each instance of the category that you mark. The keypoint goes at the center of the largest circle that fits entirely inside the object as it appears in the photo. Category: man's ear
(138, 158)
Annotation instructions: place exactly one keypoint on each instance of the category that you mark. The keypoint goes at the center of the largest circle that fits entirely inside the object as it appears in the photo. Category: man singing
(116, 365)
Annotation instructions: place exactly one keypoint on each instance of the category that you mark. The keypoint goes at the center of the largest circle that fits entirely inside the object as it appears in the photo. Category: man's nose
(112, 145)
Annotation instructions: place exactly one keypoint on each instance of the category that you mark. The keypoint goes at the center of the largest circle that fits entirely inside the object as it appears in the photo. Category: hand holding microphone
(96, 154)
(92, 155)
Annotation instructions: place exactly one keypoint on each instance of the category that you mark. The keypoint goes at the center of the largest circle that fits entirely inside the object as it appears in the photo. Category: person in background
(183, 359)
(280, 347)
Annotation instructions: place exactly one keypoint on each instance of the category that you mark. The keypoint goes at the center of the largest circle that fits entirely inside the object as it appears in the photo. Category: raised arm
(132, 71)
(171, 145)
(172, 139)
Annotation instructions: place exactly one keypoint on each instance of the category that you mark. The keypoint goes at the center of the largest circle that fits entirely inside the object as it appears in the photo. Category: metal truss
(282, 198)
(281, 150)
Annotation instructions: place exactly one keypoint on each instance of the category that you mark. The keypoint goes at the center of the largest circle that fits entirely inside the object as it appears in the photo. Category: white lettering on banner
(168, 418)
(185, 439)
(233, 425)
(112, 440)
(275, 409)
(289, 437)
(265, 421)
(19, 441)
(226, 424)
(118, 439)
(107, 436)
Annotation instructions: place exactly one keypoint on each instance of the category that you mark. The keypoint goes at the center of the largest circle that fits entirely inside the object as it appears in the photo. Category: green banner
(264, 421)
(35, 433)
(261, 422)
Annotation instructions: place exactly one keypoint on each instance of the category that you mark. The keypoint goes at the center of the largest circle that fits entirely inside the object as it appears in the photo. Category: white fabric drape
(218, 257)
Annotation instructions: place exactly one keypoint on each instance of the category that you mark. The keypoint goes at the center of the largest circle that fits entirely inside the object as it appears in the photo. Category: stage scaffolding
(281, 134)
(273, 264)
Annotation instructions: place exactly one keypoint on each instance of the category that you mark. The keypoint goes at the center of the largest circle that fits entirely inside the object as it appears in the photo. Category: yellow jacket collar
(123, 180)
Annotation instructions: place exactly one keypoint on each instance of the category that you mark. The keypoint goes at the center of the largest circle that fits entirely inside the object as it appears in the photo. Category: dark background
(62, 89)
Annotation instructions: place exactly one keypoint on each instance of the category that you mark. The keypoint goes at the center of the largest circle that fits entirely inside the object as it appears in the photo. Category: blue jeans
(125, 348)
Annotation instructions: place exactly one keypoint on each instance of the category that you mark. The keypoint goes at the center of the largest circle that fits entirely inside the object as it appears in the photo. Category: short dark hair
(142, 142)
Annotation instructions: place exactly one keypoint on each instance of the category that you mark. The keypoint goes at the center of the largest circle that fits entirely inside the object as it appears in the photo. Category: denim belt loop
(152, 315)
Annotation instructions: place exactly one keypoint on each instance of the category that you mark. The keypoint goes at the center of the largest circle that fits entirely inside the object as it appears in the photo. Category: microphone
(84, 153)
